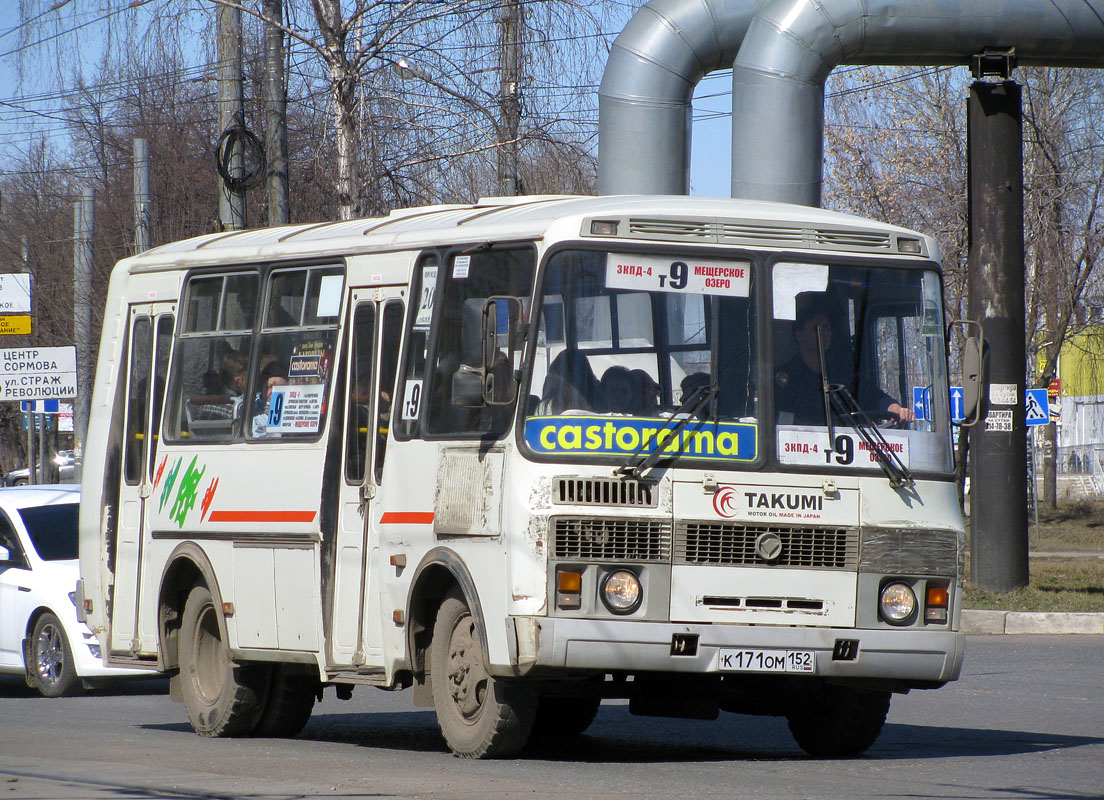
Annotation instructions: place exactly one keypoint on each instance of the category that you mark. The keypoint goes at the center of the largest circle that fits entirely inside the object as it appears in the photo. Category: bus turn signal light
(935, 605)
(569, 589)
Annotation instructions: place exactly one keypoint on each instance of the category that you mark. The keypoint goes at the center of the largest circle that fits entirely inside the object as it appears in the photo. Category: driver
(798, 394)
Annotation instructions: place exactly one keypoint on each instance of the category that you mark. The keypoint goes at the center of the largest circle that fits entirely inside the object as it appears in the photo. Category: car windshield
(53, 530)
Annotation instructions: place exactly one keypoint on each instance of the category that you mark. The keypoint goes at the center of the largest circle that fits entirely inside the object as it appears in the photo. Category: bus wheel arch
(438, 573)
(185, 569)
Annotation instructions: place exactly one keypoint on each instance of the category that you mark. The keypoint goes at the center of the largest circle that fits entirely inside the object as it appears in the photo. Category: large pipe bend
(645, 100)
(791, 46)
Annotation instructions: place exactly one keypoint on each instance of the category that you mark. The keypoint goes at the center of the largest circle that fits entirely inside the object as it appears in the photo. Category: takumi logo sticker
(726, 502)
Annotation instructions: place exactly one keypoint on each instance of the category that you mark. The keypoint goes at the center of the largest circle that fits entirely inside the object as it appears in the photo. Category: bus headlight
(621, 591)
(897, 603)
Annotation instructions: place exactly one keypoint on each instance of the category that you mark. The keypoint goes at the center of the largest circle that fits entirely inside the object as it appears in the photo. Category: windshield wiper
(847, 407)
(689, 408)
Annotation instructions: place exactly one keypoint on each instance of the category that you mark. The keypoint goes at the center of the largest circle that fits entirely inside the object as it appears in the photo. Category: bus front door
(356, 631)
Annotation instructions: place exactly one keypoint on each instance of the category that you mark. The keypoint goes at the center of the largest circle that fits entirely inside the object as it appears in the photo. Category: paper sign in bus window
(678, 276)
(296, 409)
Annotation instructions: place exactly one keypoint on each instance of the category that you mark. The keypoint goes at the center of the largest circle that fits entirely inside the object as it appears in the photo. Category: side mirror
(973, 375)
(5, 554)
(501, 322)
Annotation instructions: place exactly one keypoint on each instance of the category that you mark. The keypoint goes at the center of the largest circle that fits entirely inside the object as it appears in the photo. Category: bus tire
(222, 698)
(480, 716)
(564, 716)
(289, 704)
(837, 721)
(50, 667)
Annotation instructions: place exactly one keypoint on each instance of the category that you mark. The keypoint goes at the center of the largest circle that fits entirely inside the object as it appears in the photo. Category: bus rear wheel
(837, 721)
(221, 697)
(479, 715)
(289, 704)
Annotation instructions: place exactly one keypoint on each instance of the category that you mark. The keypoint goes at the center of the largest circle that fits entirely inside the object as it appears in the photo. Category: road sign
(14, 324)
(38, 373)
(15, 293)
(1055, 387)
(921, 402)
(1035, 407)
(957, 409)
(41, 406)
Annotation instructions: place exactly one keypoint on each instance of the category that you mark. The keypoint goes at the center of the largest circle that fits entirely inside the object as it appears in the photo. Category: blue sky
(710, 140)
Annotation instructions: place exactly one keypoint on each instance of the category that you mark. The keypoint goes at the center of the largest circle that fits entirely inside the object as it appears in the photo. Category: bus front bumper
(618, 645)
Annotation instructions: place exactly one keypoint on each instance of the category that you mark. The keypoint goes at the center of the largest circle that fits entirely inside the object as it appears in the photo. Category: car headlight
(622, 592)
(897, 603)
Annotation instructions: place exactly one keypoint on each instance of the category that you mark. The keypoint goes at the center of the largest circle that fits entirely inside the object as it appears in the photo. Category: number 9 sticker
(412, 399)
(679, 276)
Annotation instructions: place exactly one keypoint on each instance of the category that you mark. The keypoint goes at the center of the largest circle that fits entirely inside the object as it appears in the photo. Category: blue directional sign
(921, 402)
(957, 410)
(40, 406)
(1036, 407)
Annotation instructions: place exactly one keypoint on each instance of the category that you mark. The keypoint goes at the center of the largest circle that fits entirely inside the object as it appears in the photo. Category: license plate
(739, 660)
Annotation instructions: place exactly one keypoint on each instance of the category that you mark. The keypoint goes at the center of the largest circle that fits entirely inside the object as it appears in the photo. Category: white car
(40, 636)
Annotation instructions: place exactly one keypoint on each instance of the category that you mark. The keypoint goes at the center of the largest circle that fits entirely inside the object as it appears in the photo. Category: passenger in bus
(621, 391)
(570, 384)
(224, 402)
(798, 395)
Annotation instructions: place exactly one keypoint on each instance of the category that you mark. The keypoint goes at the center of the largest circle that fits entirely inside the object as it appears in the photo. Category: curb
(975, 621)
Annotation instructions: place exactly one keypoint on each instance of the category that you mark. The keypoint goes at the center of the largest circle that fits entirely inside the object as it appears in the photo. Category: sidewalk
(977, 621)
(982, 622)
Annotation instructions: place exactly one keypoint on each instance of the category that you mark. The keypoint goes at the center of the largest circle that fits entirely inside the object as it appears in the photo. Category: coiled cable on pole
(253, 158)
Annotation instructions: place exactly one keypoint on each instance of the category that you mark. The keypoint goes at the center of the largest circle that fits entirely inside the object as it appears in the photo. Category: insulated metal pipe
(781, 52)
(644, 102)
(791, 46)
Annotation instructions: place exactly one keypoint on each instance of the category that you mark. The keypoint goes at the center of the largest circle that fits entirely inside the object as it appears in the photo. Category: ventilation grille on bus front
(734, 544)
(721, 232)
(603, 492)
(611, 539)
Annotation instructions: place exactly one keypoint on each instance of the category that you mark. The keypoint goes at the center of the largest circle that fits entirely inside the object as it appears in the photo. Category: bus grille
(611, 539)
(734, 544)
(603, 492)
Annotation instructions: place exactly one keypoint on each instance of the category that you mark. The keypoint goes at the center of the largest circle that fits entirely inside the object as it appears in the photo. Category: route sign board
(38, 373)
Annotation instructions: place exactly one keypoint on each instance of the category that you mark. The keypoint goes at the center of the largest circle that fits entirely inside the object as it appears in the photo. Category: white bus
(525, 455)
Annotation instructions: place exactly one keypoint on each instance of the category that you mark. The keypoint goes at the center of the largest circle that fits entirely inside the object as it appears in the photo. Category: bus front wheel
(221, 697)
(836, 721)
(479, 715)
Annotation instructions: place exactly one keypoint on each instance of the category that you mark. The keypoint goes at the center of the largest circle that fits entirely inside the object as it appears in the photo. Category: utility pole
(509, 98)
(275, 116)
(231, 107)
(998, 445)
(141, 196)
(83, 227)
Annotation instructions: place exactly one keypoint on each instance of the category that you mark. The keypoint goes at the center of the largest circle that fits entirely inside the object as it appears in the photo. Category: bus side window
(409, 391)
(137, 400)
(358, 424)
(294, 367)
(389, 361)
(214, 347)
(162, 348)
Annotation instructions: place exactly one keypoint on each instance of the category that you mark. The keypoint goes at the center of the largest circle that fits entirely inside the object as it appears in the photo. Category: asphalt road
(1025, 721)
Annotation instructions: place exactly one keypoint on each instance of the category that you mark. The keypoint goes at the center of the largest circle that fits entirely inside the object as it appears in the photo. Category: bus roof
(675, 218)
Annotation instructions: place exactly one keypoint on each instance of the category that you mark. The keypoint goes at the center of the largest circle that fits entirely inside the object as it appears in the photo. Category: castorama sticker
(625, 437)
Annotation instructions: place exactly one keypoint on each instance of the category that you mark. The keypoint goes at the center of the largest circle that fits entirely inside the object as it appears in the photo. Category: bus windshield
(641, 356)
(859, 367)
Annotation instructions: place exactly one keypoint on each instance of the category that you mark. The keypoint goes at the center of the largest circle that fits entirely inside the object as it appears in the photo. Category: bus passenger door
(356, 630)
(150, 329)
